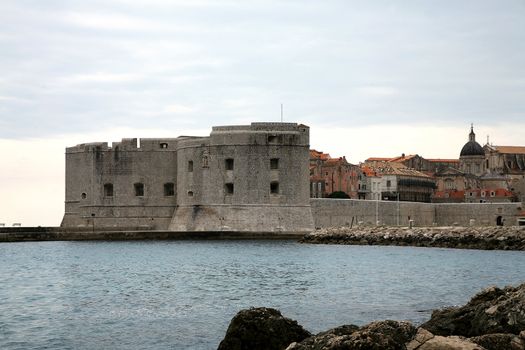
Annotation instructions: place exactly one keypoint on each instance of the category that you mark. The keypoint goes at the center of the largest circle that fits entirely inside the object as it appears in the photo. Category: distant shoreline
(35, 234)
(484, 238)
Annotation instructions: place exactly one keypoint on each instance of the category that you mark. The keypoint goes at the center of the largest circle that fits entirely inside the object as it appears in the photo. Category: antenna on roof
(281, 112)
(487, 139)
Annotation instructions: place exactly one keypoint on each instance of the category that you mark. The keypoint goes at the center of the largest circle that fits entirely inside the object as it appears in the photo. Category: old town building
(329, 175)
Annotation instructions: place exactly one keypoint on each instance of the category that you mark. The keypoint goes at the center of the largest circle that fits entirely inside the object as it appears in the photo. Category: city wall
(346, 212)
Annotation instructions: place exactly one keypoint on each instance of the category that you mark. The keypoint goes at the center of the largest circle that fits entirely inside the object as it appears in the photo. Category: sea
(183, 294)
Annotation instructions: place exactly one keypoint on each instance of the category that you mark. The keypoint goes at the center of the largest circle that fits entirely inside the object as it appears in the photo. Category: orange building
(329, 175)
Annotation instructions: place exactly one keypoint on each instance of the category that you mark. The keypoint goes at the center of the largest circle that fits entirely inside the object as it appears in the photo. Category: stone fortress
(240, 178)
(252, 178)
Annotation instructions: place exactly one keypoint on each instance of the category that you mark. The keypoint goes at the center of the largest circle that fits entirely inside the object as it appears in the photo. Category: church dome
(472, 148)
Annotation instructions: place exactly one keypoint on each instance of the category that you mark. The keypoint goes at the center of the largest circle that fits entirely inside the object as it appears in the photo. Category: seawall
(349, 212)
(31, 234)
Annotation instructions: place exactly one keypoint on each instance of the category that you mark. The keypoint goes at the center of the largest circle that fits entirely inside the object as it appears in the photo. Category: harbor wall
(348, 212)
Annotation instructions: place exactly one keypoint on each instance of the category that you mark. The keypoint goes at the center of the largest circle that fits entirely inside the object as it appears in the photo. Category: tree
(338, 194)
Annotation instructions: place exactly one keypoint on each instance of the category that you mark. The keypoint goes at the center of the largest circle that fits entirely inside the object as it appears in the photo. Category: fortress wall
(90, 166)
(484, 214)
(339, 212)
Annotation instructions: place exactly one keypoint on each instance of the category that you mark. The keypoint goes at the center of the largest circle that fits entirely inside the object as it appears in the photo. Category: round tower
(245, 178)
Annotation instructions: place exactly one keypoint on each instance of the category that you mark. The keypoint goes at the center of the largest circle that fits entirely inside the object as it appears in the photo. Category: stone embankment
(488, 238)
(494, 319)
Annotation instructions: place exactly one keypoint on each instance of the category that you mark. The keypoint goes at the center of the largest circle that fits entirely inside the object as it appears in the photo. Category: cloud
(178, 109)
(103, 21)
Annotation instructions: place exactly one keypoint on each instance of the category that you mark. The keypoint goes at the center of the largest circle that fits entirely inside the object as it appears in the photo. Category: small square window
(108, 190)
(190, 193)
(272, 139)
(274, 187)
(228, 164)
(169, 189)
(163, 145)
(274, 163)
(139, 189)
(228, 188)
(190, 166)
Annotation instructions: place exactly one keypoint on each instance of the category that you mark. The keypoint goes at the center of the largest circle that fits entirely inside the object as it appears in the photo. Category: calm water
(182, 295)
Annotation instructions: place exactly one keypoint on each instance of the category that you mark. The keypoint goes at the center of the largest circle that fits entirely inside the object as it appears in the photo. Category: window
(228, 188)
(274, 187)
(190, 193)
(228, 164)
(83, 195)
(190, 166)
(388, 183)
(274, 163)
(272, 139)
(492, 193)
(108, 190)
(139, 189)
(169, 189)
(163, 145)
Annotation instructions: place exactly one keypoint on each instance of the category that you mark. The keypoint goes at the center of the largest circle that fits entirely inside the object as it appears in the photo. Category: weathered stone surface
(504, 238)
(374, 336)
(261, 328)
(448, 343)
(493, 310)
(500, 341)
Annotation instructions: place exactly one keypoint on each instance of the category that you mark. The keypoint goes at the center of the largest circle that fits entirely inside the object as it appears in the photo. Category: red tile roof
(510, 149)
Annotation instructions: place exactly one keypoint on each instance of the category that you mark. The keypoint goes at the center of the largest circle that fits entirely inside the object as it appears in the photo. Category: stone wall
(339, 212)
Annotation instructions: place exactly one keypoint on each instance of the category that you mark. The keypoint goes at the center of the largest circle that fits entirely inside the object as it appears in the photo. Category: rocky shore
(494, 319)
(488, 238)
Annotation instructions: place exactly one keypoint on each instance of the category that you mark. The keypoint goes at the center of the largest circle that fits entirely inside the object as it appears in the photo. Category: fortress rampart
(240, 178)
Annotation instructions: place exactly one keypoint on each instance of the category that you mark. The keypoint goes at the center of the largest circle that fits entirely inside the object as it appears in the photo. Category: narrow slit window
(139, 189)
(274, 187)
(169, 189)
(228, 164)
(108, 190)
(228, 188)
(274, 163)
(190, 166)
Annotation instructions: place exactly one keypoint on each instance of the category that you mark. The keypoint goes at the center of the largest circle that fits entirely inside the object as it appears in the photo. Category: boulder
(261, 328)
(391, 335)
(500, 341)
(494, 310)
(424, 340)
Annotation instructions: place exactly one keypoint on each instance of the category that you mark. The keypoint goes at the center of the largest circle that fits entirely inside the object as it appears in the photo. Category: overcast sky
(371, 78)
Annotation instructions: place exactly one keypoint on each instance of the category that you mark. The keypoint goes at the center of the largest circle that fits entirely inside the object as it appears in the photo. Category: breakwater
(487, 238)
(32, 234)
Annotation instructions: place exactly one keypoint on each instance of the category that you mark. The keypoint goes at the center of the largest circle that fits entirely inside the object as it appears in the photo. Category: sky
(370, 78)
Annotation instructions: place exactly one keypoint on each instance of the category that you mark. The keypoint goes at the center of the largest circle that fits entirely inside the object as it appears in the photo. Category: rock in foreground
(493, 310)
(261, 328)
(385, 335)
(494, 319)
